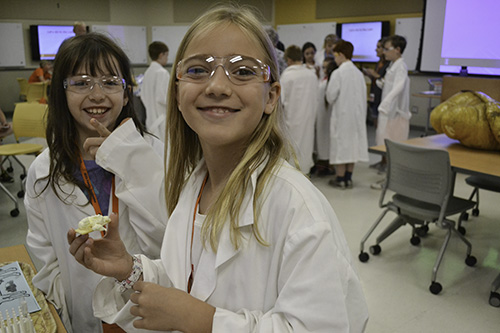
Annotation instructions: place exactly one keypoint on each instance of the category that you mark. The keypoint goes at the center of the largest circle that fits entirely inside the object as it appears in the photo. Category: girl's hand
(169, 309)
(106, 256)
(91, 145)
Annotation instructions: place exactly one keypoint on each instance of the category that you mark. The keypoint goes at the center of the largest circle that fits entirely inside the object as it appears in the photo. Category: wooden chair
(23, 88)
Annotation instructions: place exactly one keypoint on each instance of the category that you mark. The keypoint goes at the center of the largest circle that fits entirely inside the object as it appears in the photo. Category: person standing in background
(323, 115)
(154, 89)
(346, 90)
(79, 28)
(299, 95)
(275, 39)
(42, 73)
(394, 109)
(374, 75)
(308, 53)
(327, 51)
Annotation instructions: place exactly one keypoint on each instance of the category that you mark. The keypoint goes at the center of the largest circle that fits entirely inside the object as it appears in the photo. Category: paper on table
(13, 287)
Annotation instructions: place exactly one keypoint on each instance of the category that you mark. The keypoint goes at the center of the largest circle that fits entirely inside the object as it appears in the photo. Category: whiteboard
(170, 35)
(411, 29)
(132, 39)
(12, 41)
(299, 34)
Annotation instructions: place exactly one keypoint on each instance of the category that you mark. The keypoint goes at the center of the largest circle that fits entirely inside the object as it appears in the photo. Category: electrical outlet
(414, 109)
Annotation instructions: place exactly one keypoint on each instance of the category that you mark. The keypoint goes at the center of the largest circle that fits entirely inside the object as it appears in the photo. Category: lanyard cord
(93, 197)
(191, 276)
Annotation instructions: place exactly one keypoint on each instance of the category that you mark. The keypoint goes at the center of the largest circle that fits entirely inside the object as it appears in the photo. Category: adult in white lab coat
(66, 283)
(299, 95)
(347, 92)
(154, 90)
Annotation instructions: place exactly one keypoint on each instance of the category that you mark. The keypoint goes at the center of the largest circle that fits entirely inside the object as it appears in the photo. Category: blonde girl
(251, 245)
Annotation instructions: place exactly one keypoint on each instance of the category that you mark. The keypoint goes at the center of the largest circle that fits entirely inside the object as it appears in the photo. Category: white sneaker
(378, 185)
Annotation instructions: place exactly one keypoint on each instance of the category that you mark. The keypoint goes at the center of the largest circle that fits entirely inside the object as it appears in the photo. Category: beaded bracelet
(134, 276)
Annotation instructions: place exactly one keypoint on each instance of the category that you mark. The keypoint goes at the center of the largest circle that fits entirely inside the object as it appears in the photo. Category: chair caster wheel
(435, 288)
(20, 194)
(375, 249)
(422, 231)
(415, 240)
(475, 212)
(470, 261)
(14, 212)
(465, 216)
(462, 230)
(363, 257)
(495, 299)
(10, 169)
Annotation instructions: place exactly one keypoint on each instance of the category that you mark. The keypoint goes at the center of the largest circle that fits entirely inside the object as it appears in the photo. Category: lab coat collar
(176, 259)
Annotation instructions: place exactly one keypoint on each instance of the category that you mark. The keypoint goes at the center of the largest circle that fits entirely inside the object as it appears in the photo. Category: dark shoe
(326, 172)
(337, 184)
(6, 178)
(348, 184)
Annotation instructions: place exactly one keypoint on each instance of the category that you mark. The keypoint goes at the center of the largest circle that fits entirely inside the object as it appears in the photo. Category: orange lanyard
(191, 276)
(93, 197)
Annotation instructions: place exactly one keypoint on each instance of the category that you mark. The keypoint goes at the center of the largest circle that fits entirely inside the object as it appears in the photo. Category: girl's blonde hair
(266, 146)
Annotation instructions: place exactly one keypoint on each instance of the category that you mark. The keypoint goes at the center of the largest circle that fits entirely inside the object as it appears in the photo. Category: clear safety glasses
(239, 69)
(83, 84)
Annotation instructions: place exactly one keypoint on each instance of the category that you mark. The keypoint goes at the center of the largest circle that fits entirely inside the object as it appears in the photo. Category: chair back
(36, 91)
(23, 87)
(419, 173)
(29, 120)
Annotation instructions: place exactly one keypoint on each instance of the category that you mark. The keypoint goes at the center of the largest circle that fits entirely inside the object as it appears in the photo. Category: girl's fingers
(100, 128)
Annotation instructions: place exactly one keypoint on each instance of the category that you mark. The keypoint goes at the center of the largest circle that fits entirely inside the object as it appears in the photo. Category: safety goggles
(83, 84)
(239, 69)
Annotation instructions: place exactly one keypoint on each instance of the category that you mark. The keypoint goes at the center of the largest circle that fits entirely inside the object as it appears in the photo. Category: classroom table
(431, 95)
(462, 159)
(19, 253)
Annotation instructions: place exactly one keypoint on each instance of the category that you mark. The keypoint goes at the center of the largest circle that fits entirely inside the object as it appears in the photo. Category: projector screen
(46, 39)
(364, 37)
(461, 33)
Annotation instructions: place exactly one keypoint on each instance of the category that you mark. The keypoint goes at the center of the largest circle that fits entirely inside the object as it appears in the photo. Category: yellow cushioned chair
(23, 88)
(28, 121)
(37, 91)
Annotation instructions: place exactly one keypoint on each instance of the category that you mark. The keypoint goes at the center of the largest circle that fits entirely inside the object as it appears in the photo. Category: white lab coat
(323, 115)
(303, 281)
(346, 91)
(154, 96)
(299, 96)
(394, 108)
(65, 282)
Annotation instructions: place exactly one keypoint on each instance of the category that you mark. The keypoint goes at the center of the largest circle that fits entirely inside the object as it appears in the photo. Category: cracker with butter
(92, 223)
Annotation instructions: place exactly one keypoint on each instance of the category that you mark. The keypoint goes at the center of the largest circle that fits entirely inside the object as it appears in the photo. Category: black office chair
(422, 181)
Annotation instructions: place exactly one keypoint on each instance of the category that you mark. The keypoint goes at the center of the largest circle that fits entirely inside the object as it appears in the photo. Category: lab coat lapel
(75, 196)
(210, 262)
(176, 248)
